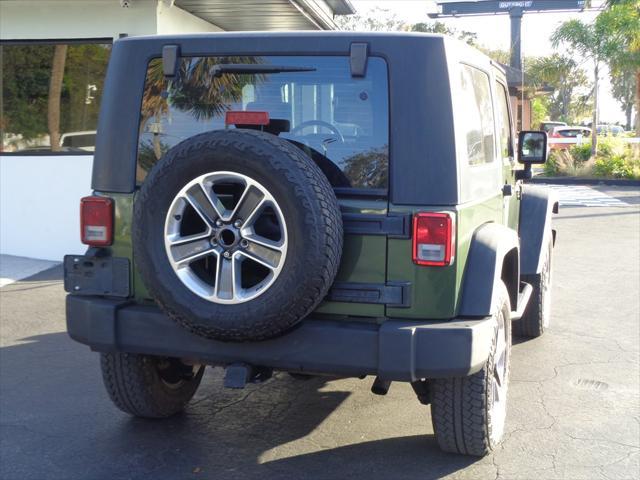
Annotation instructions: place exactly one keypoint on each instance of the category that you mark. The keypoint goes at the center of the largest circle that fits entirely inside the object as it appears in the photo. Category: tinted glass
(572, 133)
(340, 121)
(477, 121)
(51, 96)
(504, 122)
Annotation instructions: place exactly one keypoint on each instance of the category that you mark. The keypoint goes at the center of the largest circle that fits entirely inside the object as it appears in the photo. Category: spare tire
(237, 234)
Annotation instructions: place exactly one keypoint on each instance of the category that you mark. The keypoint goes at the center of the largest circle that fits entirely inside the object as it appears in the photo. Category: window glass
(504, 123)
(51, 96)
(341, 122)
(477, 120)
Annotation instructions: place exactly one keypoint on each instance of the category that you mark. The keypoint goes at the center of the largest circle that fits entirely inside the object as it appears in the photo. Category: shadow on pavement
(57, 422)
(49, 275)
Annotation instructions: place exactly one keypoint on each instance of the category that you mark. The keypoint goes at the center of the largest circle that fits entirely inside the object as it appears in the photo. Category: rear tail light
(96, 221)
(433, 239)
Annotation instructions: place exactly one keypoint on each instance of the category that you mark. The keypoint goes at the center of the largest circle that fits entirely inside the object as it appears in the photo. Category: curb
(585, 181)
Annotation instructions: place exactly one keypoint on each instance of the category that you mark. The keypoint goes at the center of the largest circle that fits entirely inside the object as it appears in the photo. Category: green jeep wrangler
(315, 203)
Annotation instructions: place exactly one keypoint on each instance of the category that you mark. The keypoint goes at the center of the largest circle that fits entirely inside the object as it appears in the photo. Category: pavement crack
(605, 440)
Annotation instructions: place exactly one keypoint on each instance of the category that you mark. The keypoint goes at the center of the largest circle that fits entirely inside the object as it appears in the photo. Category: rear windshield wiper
(221, 68)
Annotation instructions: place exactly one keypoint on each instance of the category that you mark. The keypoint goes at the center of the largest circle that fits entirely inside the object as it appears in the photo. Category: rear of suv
(315, 203)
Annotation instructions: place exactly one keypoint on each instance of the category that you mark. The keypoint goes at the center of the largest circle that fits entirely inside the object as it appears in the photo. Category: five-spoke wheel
(226, 237)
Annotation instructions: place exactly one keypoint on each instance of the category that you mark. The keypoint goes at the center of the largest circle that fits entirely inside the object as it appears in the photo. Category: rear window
(572, 133)
(340, 121)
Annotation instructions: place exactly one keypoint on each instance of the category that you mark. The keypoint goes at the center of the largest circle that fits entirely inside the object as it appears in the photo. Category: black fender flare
(491, 244)
(537, 206)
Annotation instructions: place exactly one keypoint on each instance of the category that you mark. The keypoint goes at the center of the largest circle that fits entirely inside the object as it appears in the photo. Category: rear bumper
(396, 350)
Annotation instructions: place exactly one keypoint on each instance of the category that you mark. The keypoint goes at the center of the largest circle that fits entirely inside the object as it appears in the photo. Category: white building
(54, 55)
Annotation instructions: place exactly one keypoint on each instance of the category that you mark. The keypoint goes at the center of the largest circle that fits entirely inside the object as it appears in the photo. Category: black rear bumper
(395, 350)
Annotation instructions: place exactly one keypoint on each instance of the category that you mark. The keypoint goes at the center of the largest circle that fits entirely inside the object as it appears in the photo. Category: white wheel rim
(228, 238)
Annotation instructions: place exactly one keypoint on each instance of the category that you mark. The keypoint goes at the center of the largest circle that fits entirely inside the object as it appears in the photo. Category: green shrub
(611, 147)
(615, 159)
(551, 166)
(581, 153)
(617, 166)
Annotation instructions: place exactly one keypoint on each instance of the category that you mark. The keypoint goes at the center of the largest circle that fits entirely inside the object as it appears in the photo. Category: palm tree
(588, 41)
(563, 74)
(195, 90)
(620, 22)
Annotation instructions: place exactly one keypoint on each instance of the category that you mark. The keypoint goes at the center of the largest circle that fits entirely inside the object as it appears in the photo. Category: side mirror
(532, 147)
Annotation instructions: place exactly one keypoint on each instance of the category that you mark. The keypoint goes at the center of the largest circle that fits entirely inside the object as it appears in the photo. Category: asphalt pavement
(573, 411)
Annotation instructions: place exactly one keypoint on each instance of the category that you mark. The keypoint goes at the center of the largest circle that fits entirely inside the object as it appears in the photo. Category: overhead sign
(504, 6)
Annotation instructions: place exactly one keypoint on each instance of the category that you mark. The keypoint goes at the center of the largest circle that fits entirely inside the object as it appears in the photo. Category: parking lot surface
(573, 408)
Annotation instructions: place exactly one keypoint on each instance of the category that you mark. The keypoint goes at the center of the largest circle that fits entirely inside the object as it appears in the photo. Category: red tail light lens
(246, 118)
(433, 239)
(96, 221)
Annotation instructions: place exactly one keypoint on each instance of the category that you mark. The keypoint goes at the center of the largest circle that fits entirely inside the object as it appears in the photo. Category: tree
(439, 27)
(25, 70)
(620, 24)
(500, 56)
(539, 110)
(623, 85)
(382, 20)
(563, 74)
(585, 39)
(372, 20)
(46, 92)
(195, 90)
(55, 90)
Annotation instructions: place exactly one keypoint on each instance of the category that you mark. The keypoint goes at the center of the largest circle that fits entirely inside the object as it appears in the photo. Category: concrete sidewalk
(14, 268)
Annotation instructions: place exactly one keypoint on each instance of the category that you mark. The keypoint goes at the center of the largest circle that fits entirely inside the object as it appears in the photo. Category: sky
(494, 33)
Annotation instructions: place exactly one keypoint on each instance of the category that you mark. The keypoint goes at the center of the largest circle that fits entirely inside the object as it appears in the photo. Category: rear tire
(147, 386)
(537, 316)
(468, 413)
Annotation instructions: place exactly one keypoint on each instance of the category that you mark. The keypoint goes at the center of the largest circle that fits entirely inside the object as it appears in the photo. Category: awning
(243, 15)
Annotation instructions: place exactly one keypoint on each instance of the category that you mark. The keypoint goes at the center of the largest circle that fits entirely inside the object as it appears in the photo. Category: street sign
(514, 8)
(496, 7)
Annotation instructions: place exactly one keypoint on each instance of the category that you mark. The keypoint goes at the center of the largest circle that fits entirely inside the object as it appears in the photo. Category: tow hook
(237, 375)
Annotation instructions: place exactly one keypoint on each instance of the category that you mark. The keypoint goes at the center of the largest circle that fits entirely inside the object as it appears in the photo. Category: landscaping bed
(615, 160)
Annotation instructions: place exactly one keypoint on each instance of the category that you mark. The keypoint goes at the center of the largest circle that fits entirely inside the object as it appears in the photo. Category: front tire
(537, 316)
(147, 386)
(468, 413)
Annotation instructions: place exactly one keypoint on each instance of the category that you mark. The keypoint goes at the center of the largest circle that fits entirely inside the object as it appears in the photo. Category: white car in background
(567, 136)
(84, 140)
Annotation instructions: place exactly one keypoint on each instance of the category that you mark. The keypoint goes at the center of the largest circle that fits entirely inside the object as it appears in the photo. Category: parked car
(610, 130)
(255, 234)
(548, 126)
(566, 137)
(84, 140)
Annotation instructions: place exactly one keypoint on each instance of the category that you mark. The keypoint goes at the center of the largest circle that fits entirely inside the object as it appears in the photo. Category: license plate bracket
(92, 275)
